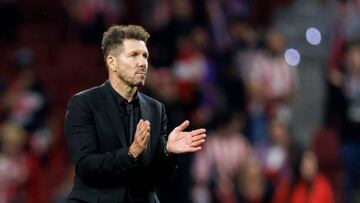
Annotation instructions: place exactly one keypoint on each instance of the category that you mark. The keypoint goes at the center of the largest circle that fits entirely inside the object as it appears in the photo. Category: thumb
(182, 126)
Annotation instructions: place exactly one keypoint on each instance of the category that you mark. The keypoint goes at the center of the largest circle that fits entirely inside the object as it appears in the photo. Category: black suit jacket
(97, 143)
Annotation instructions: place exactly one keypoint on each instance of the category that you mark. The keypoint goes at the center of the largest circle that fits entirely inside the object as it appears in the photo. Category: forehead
(130, 45)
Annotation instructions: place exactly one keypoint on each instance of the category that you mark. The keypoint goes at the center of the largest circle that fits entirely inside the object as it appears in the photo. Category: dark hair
(114, 36)
(351, 44)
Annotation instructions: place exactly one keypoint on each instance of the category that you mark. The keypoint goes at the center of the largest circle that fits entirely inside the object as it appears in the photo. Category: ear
(111, 62)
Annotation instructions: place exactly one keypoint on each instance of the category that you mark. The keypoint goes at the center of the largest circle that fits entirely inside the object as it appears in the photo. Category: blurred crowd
(218, 63)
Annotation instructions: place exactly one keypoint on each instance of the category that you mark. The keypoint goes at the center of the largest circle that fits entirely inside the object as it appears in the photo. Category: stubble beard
(141, 83)
(138, 82)
(132, 81)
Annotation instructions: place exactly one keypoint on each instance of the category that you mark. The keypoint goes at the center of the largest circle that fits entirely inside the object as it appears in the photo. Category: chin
(140, 84)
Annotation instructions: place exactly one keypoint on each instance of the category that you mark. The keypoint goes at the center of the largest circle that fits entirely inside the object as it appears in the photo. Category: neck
(126, 91)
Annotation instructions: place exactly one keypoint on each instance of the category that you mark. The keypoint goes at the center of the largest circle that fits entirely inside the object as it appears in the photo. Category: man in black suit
(117, 135)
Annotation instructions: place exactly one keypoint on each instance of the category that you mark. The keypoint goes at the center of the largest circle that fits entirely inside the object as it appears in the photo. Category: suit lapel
(144, 108)
(146, 115)
(112, 112)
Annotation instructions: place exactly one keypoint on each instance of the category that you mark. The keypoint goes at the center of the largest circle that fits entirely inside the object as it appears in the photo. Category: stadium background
(268, 79)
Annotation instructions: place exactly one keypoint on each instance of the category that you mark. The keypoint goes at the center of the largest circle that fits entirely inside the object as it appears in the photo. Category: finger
(198, 143)
(140, 121)
(198, 137)
(147, 125)
(197, 132)
(195, 149)
(143, 133)
(142, 140)
(139, 129)
(147, 122)
(144, 126)
(182, 126)
(145, 139)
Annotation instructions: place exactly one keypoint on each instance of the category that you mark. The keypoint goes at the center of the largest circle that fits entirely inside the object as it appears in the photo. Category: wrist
(132, 152)
(131, 156)
(166, 150)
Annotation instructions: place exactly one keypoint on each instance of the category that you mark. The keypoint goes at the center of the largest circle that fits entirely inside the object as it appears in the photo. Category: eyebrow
(139, 51)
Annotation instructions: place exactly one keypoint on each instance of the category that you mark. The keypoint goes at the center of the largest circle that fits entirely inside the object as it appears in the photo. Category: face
(275, 42)
(130, 62)
(279, 134)
(353, 60)
(308, 167)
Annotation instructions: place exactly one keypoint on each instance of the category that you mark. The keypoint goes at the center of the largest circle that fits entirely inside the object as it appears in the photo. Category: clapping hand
(141, 138)
(180, 141)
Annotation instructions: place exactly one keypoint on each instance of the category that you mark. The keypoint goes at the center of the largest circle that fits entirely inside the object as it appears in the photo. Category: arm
(80, 132)
(178, 142)
(166, 163)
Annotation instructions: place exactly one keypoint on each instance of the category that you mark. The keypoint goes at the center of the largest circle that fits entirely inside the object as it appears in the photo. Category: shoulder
(88, 92)
(322, 180)
(88, 97)
(152, 103)
(149, 99)
(92, 94)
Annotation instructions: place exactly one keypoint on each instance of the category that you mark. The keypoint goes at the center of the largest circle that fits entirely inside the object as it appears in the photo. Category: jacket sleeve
(166, 165)
(80, 133)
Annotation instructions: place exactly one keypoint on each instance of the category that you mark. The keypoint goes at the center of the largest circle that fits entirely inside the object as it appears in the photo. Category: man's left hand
(182, 142)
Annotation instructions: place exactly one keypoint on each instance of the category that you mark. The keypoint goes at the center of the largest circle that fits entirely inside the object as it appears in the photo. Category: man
(117, 135)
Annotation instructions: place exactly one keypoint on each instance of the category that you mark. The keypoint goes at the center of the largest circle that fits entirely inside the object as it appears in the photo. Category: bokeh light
(292, 57)
(313, 36)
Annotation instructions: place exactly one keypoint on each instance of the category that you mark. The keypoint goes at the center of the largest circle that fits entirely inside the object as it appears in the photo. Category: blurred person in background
(346, 83)
(245, 41)
(342, 91)
(215, 169)
(326, 145)
(274, 155)
(194, 71)
(21, 177)
(350, 89)
(25, 95)
(345, 29)
(13, 172)
(307, 184)
(271, 85)
(26, 102)
(351, 126)
(252, 186)
(116, 135)
(90, 17)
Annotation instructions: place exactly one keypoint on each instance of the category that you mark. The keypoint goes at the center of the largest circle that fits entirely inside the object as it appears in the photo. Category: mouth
(141, 73)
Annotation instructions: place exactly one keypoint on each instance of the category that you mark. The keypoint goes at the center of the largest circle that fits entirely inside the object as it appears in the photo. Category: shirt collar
(120, 100)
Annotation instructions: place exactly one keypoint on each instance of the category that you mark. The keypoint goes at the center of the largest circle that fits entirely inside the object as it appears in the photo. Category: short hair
(114, 36)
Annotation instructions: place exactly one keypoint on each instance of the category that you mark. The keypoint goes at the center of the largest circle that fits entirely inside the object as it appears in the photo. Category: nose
(142, 62)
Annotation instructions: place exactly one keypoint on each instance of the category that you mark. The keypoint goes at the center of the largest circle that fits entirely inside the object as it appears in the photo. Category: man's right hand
(141, 138)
